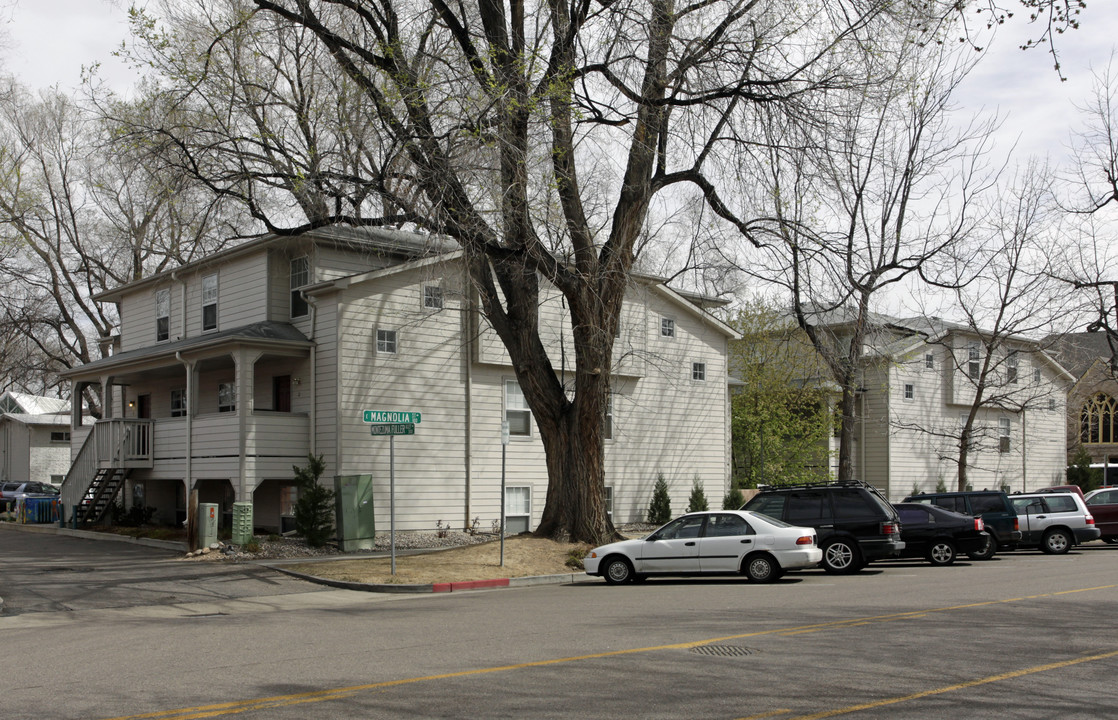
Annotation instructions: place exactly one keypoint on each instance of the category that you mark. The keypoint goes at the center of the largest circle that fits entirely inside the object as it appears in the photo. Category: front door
(672, 549)
(143, 406)
(281, 393)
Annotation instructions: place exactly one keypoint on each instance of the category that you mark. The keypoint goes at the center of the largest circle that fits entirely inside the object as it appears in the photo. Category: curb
(176, 545)
(563, 579)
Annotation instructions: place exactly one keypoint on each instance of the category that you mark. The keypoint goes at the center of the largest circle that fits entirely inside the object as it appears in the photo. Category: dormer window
(300, 277)
(162, 315)
(209, 302)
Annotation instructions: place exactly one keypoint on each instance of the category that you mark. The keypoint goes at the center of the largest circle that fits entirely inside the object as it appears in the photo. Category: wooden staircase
(100, 494)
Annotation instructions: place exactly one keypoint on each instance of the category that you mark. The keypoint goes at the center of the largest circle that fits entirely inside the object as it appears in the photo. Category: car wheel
(941, 553)
(762, 568)
(1055, 542)
(987, 551)
(617, 570)
(841, 556)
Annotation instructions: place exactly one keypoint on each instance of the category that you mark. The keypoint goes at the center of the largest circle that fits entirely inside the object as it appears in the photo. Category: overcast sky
(48, 42)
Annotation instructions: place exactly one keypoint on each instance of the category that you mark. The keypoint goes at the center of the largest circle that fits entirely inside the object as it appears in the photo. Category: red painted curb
(469, 585)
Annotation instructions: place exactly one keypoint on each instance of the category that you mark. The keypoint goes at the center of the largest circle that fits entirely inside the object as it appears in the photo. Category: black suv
(855, 523)
(993, 506)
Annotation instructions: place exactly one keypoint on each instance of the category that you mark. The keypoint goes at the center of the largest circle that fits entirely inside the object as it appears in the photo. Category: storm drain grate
(723, 650)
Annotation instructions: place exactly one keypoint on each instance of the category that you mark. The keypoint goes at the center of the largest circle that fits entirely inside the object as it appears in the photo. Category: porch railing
(112, 443)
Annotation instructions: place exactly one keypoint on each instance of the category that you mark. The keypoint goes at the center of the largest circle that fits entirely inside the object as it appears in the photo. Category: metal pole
(504, 445)
(392, 499)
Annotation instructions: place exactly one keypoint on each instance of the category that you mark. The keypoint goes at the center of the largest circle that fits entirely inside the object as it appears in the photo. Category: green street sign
(392, 429)
(391, 416)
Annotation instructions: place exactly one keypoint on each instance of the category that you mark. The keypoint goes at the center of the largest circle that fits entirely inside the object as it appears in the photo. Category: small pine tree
(698, 500)
(660, 509)
(734, 499)
(1081, 473)
(314, 510)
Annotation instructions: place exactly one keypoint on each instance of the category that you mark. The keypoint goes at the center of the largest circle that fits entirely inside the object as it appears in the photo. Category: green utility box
(353, 511)
(207, 524)
(242, 523)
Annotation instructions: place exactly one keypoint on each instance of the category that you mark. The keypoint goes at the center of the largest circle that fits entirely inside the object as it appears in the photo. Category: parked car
(998, 515)
(1062, 488)
(12, 492)
(855, 523)
(1103, 504)
(723, 542)
(1054, 522)
(939, 535)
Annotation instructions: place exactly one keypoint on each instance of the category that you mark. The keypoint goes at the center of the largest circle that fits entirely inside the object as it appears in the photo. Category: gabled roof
(1079, 351)
(261, 333)
(45, 420)
(691, 303)
(387, 241)
(35, 404)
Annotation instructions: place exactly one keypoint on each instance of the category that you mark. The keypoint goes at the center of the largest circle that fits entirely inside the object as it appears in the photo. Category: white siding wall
(664, 422)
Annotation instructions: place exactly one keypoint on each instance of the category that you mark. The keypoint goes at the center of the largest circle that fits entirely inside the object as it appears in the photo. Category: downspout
(313, 304)
(189, 423)
(1024, 452)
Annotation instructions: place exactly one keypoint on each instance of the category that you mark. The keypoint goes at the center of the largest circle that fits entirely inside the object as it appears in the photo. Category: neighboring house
(34, 438)
(230, 370)
(1092, 404)
(917, 388)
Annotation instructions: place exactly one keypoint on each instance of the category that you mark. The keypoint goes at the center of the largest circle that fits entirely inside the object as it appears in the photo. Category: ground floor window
(518, 509)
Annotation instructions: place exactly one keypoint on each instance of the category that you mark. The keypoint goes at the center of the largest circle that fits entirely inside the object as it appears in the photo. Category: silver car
(1054, 522)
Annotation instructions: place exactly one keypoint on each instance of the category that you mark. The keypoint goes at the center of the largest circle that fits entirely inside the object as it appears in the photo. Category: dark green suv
(992, 506)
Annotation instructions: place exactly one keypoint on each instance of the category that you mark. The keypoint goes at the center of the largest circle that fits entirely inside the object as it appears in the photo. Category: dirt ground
(524, 556)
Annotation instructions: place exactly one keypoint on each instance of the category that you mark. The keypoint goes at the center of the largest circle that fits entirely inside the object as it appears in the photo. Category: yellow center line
(952, 688)
(240, 706)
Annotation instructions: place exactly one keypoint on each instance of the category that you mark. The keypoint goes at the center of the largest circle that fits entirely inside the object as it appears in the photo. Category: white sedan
(719, 542)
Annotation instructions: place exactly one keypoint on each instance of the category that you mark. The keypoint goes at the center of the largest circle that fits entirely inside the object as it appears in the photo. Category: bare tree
(1088, 260)
(863, 205)
(77, 217)
(1007, 303)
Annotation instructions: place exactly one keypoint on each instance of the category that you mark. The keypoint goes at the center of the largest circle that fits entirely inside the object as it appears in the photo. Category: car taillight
(805, 540)
(1090, 519)
(1016, 524)
(889, 528)
(979, 525)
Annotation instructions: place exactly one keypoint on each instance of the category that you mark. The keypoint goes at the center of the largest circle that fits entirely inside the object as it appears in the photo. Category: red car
(1103, 504)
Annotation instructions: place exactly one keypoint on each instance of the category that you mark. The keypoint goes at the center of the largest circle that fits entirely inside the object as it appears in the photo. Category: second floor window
(1011, 367)
(162, 315)
(909, 391)
(178, 402)
(517, 412)
(974, 367)
(209, 302)
(698, 371)
(226, 397)
(300, 276)
(432, 297)
(667, 327)
(386, 342)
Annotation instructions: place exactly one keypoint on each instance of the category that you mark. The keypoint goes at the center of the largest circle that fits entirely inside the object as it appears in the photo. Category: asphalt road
(1025, 635)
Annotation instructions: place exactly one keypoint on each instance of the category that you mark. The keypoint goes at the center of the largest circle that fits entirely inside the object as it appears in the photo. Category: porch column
(108, 408)
(245, 382)
(76, 405)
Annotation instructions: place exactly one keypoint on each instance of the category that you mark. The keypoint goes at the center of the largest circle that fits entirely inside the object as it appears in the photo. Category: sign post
(392, 423)
(504, 445)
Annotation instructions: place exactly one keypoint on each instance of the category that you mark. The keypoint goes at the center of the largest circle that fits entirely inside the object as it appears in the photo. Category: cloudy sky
(48, 42)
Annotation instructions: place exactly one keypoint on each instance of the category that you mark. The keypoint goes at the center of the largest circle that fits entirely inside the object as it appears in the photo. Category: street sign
(390, 416)
(392, 429)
